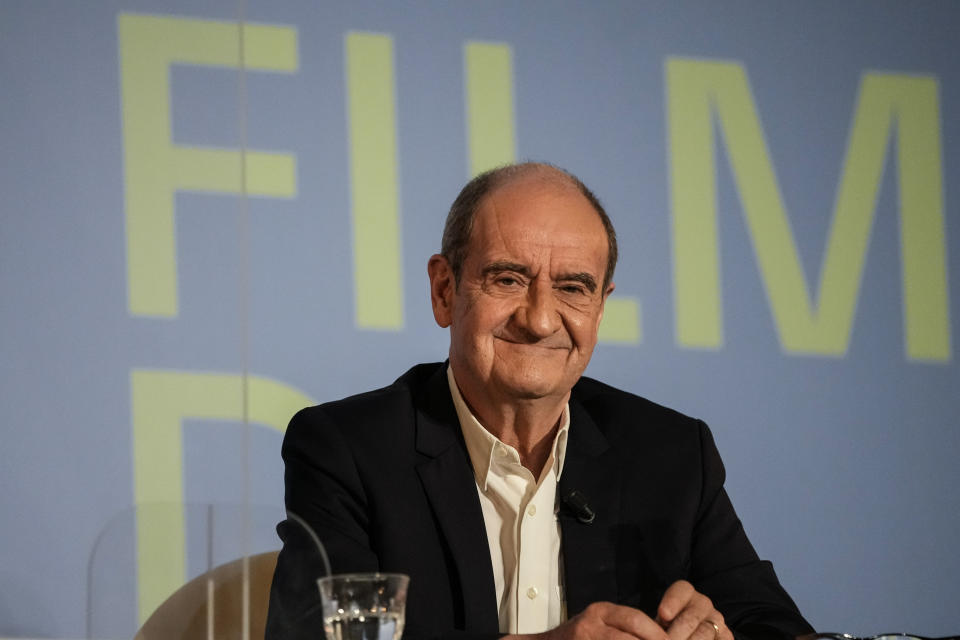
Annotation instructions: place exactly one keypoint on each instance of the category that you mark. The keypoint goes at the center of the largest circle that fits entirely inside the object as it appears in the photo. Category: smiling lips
(560, 342)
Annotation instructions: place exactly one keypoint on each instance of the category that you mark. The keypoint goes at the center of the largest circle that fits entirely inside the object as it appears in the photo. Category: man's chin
(529, 394)
(536, 388)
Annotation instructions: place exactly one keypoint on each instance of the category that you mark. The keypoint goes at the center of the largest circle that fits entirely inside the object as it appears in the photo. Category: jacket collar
(589, 549)
(448, 481)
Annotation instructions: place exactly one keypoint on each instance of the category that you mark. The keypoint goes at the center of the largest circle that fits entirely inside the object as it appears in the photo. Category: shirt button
(532, 592)
(532, 510)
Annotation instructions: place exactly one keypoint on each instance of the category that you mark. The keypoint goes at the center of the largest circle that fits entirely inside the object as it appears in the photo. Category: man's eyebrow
(583, 278)
(503, 265)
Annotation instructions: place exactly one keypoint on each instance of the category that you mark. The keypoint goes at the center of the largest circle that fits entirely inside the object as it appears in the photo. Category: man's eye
(572, 288)
(507, 281)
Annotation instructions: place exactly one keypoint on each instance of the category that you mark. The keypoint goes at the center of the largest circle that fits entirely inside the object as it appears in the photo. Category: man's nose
(539, 315)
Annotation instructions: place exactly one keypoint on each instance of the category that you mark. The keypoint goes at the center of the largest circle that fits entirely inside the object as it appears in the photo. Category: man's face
(524, 318)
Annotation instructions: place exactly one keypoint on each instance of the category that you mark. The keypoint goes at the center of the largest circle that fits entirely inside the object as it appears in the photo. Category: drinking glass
(363, 606)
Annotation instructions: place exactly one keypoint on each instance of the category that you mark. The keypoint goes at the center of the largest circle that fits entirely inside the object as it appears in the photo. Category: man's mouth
(561, 345)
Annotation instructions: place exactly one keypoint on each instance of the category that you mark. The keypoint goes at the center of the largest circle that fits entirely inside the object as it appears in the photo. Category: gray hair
(459, 225)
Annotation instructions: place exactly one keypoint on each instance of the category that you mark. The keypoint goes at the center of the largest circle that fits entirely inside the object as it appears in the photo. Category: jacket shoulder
(372, 420)
(603, 402)
(384, 401)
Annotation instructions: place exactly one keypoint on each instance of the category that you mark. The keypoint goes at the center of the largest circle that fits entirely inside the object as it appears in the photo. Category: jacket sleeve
(725, 567)
(324, 501)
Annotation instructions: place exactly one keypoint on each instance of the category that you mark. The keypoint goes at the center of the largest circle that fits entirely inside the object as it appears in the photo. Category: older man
(520, 497)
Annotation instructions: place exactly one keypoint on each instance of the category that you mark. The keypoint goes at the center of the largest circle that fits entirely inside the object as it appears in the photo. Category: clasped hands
(683, 614)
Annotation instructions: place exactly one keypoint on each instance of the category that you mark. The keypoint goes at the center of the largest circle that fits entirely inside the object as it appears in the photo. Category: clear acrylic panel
(182, 571)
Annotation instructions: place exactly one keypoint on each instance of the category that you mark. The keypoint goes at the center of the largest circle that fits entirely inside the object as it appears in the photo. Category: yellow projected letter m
(700, 90)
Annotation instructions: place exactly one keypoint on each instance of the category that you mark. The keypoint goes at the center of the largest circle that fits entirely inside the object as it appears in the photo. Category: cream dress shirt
(520, 514)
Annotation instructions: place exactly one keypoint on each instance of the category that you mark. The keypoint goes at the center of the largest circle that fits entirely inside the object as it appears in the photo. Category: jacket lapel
(589, 549)
(448, 481)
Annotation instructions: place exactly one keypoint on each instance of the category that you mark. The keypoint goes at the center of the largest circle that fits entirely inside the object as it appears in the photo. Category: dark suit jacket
(384, 480)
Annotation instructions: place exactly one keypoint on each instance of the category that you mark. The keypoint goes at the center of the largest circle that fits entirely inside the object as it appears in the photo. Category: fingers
(683, 614)
(689, 615)
(607, 621)
(631, 621)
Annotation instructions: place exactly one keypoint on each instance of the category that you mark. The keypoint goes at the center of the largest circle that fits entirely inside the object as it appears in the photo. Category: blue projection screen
(215, 213)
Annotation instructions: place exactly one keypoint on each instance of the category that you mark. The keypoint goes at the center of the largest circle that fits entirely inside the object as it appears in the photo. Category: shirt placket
(533, 566)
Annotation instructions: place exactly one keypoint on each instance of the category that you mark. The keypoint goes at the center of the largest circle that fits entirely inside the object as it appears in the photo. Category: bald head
(459, 225)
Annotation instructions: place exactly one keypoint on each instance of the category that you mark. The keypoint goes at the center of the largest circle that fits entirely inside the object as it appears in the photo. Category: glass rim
(363, 576)
(899, 635)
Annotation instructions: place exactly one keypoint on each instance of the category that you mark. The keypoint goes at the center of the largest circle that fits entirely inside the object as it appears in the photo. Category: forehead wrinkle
(499, 240)
(537, 242)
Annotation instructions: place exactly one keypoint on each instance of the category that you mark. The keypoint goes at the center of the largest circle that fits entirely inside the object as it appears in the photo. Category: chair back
(217, 604)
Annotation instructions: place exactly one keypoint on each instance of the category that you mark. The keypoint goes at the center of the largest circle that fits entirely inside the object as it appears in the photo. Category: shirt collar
(482, 445)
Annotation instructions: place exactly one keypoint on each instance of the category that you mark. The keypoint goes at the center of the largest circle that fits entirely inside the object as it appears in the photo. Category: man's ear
(442, 287)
